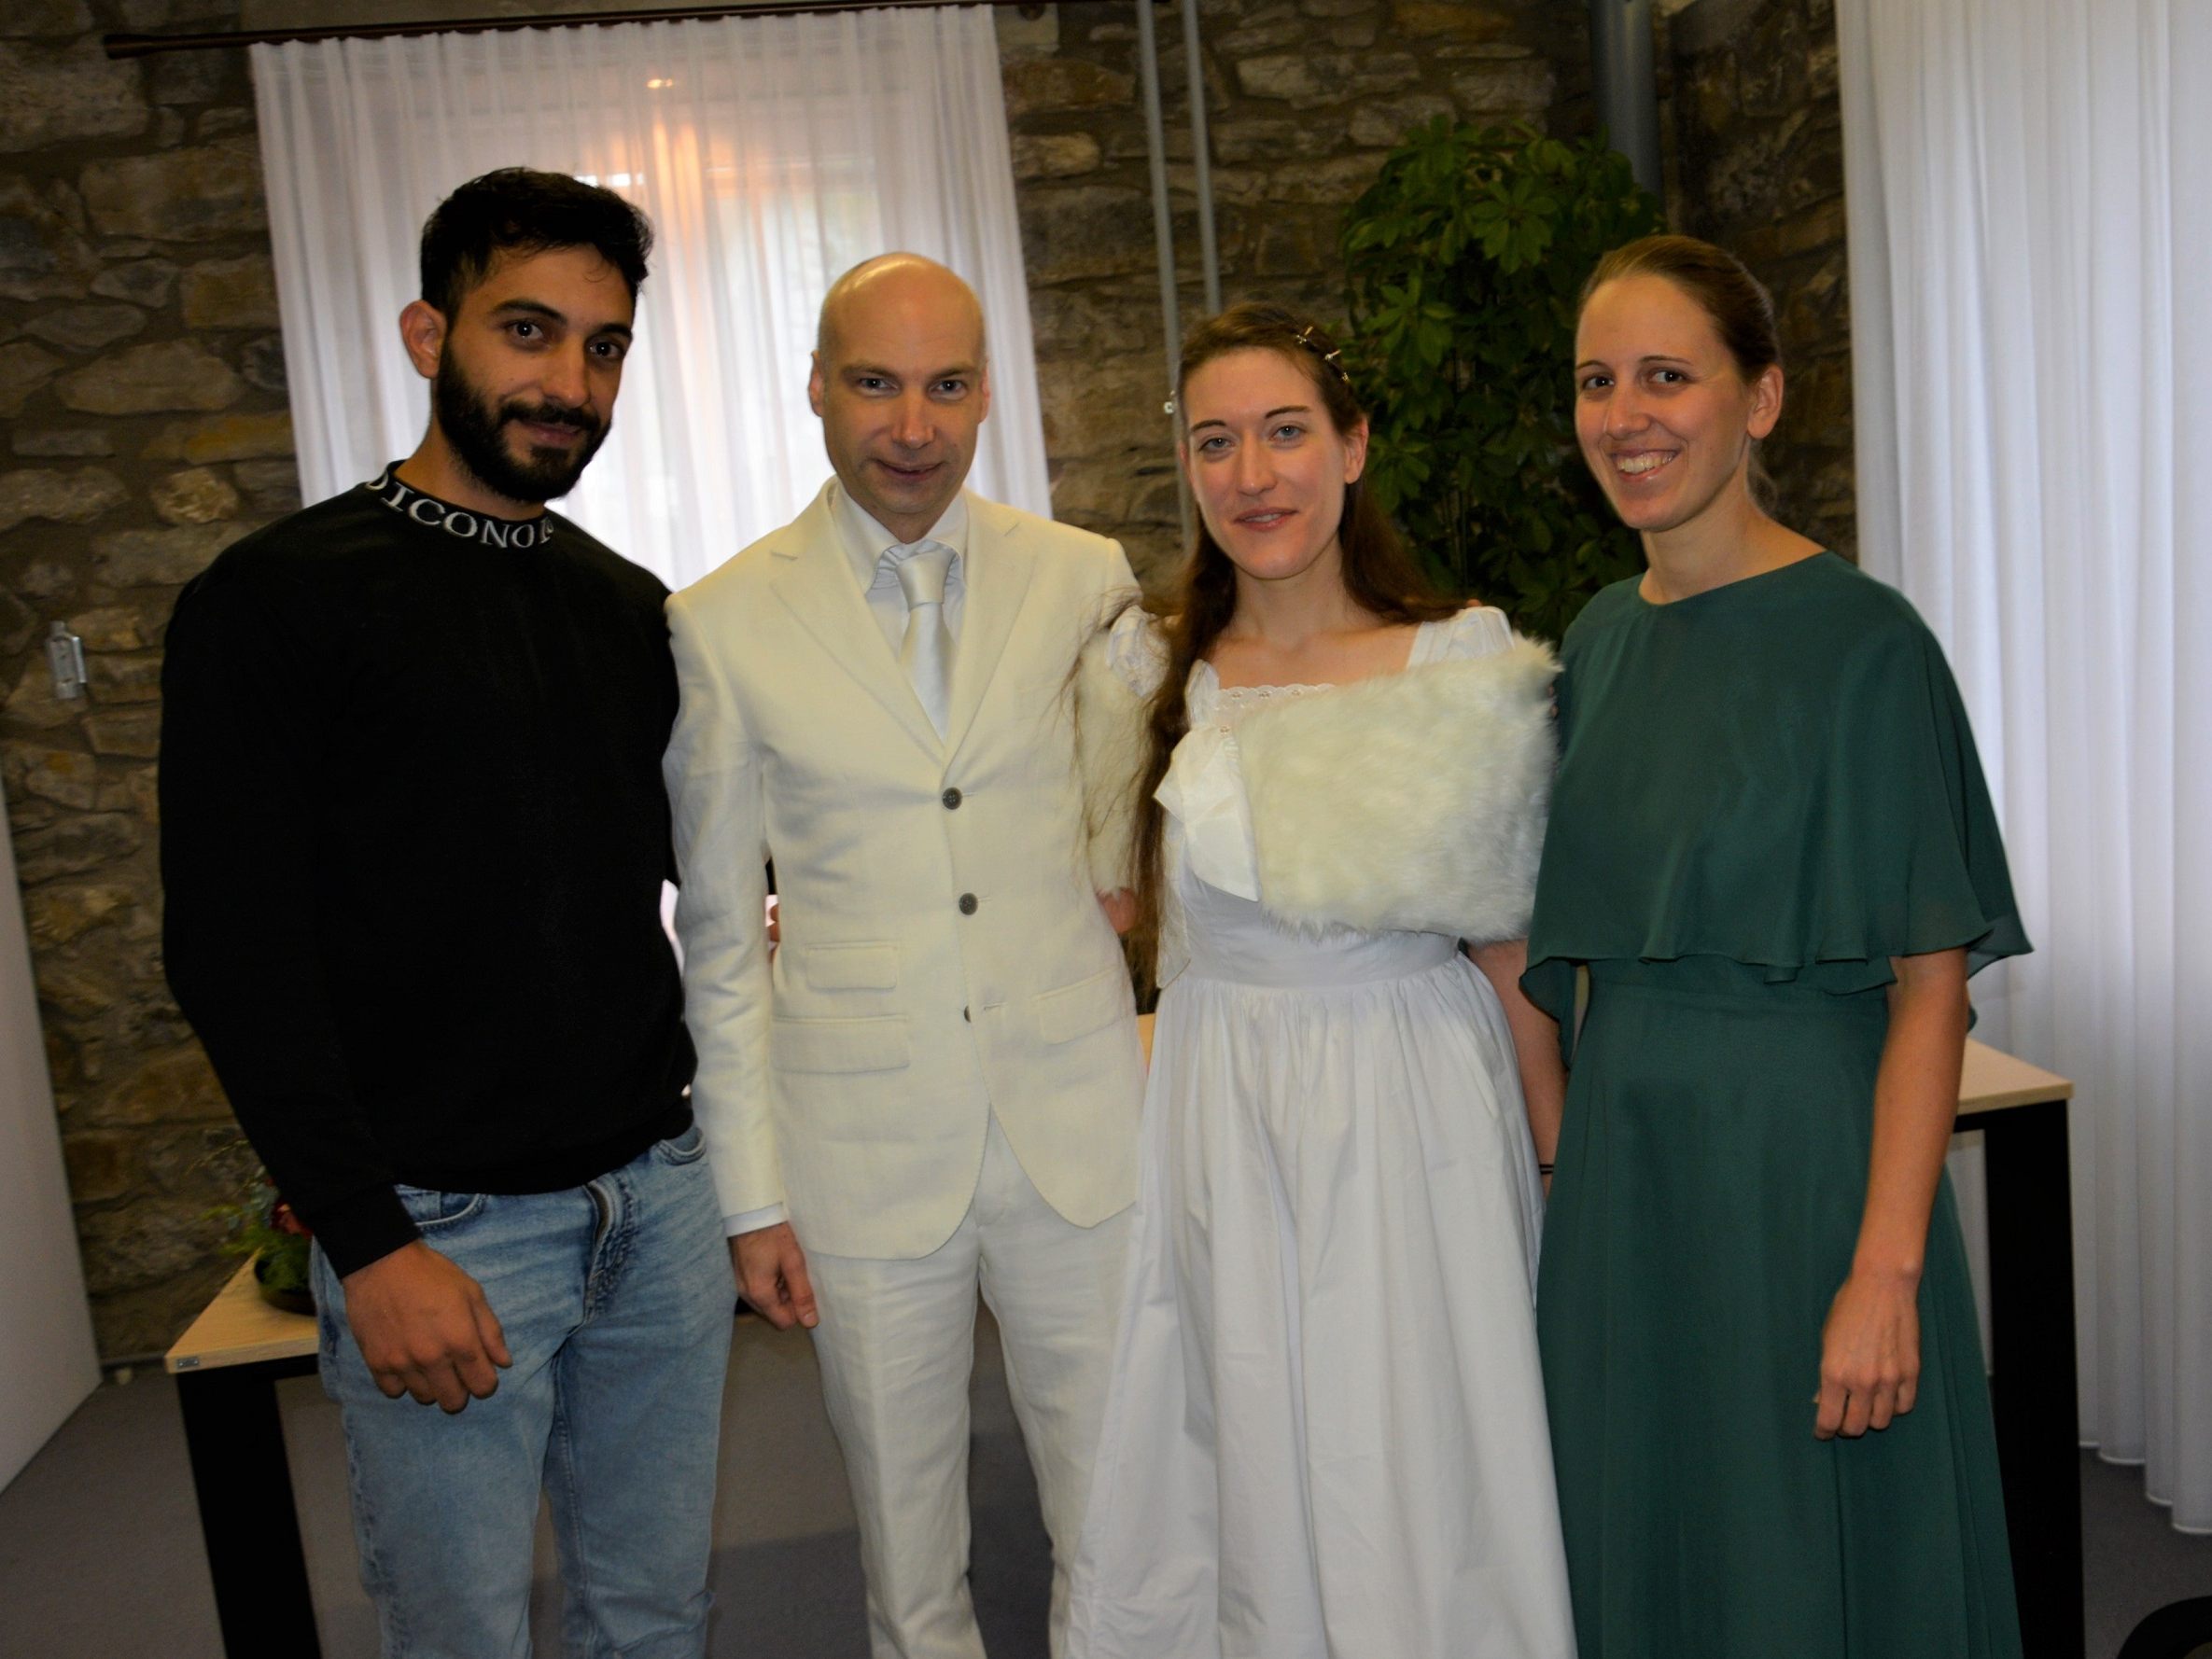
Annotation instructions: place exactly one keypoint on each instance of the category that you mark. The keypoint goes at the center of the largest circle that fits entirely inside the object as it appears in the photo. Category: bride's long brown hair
(1379, 574)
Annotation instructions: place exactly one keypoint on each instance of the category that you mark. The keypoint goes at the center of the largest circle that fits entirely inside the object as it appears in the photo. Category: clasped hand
(1869, 1355)
(425, 1329)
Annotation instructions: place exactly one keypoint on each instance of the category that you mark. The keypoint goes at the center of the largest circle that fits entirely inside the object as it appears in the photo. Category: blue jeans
(616, 1298)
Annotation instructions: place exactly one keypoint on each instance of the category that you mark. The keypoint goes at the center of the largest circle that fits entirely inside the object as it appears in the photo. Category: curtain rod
(144, 45)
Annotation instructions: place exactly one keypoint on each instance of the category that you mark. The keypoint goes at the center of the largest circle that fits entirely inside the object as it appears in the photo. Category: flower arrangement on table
(264, 1226)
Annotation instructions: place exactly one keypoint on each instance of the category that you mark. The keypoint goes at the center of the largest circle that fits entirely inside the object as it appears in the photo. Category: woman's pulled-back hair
(1738, 304)
(1379, 574)
(1741, 311)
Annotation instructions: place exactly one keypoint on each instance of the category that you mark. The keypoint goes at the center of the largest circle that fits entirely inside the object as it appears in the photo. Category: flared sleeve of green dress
(1778, 772)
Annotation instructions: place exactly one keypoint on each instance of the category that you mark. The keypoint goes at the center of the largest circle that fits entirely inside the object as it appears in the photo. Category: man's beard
(477, 432)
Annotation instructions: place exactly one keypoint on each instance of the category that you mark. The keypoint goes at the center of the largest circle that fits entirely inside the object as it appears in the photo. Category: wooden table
(226, 1367)
(2020, 1111)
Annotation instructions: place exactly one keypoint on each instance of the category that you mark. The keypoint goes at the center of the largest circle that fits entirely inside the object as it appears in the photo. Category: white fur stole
(1414, 800)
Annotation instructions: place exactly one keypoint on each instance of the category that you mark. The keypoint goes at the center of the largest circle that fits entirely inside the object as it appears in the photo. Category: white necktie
(926, 653)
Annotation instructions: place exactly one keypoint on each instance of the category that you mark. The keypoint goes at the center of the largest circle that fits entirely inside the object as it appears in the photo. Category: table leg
(2031, 1293)
(244, 1482)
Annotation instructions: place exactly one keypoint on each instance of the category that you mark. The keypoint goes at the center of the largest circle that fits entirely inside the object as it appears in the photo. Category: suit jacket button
(951, 799)
(964, 1015)
(967, 904)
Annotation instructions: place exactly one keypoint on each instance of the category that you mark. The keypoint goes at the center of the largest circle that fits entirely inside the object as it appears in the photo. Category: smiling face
(1266, 464)
(524, 376)
(1664, 415)
(900, 385)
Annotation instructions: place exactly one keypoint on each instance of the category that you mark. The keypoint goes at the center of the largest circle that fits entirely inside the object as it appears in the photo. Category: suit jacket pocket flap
(838, 1045)
(852, 966)
(1080, 1009)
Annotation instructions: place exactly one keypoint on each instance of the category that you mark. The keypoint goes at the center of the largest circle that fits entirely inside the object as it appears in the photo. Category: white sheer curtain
(2030, 191)
(771, 154)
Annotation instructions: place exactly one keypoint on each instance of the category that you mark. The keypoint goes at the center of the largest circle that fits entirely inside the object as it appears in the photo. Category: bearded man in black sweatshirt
(413, 841)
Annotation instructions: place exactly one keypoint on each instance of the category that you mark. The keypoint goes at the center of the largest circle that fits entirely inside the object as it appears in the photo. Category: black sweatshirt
(413, 837)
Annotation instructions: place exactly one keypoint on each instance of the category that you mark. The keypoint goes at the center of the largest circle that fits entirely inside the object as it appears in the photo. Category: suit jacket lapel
(816, 582)
(1001, 561)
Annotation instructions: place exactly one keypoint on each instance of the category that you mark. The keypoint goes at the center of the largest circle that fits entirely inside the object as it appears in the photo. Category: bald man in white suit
(933, 1087)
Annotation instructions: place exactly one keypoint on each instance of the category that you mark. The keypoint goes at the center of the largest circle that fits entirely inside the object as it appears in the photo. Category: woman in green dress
(1771, 847)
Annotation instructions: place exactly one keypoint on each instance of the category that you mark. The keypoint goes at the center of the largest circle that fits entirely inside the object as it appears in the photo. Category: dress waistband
(1715, 978)
(1288, 962)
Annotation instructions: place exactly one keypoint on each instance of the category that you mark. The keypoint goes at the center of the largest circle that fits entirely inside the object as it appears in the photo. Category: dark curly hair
(519, 210)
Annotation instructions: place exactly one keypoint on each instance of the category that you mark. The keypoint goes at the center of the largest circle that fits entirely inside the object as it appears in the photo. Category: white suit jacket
(943, 956)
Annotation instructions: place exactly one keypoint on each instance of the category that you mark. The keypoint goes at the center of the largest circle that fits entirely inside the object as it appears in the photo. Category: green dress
(1765, 792)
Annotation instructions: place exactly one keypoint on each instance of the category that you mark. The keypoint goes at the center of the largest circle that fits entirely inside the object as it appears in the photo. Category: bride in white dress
(1324, 1434)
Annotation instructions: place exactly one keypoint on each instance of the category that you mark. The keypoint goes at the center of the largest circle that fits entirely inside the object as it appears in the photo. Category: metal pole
(1209, 248)
(1624, 68)
(1163, 228)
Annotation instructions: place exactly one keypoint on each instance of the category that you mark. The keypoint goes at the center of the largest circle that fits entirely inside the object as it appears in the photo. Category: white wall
(46, 1360)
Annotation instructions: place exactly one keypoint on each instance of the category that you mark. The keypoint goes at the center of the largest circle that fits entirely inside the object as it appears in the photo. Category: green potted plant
(261, 1225)
(1463, 261)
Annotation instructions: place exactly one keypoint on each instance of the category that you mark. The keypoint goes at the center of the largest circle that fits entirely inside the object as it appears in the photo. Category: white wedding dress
(1325, 1433)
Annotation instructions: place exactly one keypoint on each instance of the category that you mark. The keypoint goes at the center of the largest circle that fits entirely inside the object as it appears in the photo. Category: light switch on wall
(65, 656)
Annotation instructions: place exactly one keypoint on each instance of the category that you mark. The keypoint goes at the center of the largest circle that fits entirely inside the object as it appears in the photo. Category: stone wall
(1305, 98)
(142, 420)
(1757, 165)
(142, 428)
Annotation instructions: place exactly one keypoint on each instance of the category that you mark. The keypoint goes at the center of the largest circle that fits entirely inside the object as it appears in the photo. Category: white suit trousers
(896, 1345)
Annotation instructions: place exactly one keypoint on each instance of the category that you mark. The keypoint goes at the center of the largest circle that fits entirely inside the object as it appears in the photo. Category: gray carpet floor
(100, 1553)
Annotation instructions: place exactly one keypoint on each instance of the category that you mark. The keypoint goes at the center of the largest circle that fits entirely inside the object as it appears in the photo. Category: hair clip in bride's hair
(1334, 358)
